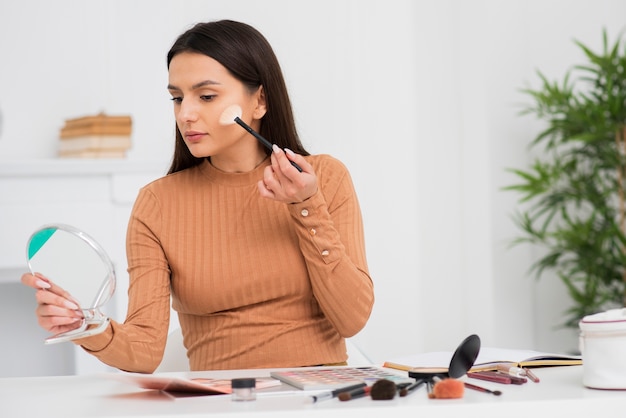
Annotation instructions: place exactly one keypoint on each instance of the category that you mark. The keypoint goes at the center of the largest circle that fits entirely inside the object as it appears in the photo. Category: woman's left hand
(283, 182)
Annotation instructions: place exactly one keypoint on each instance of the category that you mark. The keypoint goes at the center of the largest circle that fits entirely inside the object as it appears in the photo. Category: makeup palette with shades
(336, 377)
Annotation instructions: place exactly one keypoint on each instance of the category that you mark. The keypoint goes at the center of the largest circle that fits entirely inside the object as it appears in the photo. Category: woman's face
(201, 89)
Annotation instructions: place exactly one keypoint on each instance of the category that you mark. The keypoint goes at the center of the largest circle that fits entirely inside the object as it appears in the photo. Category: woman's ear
(261, 107)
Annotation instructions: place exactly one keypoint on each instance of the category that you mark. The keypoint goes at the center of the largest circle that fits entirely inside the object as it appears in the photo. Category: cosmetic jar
(602, 345)
(244, 389)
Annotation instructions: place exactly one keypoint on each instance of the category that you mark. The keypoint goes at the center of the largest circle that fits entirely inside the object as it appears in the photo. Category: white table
(560, 391)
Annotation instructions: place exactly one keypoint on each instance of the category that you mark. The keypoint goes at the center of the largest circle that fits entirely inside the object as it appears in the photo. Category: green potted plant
(573, 193)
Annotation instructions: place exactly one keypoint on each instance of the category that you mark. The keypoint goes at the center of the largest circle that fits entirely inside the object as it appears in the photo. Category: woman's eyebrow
(195, 86)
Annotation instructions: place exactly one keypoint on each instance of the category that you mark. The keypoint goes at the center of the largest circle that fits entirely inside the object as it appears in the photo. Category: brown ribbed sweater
(256, 283)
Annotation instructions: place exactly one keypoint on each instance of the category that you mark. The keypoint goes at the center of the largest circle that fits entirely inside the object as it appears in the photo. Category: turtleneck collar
(234, 179)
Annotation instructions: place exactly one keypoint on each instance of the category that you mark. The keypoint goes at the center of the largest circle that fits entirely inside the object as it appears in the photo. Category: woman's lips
(193, 136)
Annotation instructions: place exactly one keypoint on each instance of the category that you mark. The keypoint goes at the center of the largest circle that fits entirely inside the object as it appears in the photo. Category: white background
(420, 99)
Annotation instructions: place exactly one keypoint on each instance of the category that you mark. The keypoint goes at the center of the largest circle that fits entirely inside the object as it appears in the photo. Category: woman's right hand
(56, 311)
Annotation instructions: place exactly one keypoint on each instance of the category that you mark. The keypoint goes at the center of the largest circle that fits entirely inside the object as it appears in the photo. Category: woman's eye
(177, 100)
(208, 97)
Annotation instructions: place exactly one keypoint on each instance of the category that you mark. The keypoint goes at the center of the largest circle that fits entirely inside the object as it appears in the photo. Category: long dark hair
(248, 56)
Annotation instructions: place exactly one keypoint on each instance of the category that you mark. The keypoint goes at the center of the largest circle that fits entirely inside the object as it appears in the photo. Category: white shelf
(12, 274)
(74, 166)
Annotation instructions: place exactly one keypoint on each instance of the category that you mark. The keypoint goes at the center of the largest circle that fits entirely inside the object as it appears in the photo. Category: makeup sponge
(383, 389)
(448, 389)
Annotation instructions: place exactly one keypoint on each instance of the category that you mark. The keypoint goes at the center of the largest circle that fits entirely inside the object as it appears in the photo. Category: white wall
(419, 98)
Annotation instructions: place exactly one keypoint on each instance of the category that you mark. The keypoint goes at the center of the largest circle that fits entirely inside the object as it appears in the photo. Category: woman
(264, 264)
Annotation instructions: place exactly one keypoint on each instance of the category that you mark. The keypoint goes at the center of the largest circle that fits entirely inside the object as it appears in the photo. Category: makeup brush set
(385, 389)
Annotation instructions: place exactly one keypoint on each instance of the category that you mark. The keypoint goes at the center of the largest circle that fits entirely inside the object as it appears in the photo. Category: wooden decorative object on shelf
(98, 136)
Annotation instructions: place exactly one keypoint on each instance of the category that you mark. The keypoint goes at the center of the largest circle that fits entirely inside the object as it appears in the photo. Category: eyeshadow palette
(336, 377)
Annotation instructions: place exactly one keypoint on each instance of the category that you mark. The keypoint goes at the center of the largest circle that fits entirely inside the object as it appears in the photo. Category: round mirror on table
(74, 261)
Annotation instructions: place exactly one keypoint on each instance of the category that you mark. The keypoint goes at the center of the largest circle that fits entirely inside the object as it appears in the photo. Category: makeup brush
(383, 389)
(334, 393)
(232, 114)
(482, 389)
(412, 387)
(448, 389)
(354, 394)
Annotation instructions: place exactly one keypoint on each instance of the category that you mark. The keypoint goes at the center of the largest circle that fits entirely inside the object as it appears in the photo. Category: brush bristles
(344, 396)
(448, 389)
(383, 389)
(229, 114)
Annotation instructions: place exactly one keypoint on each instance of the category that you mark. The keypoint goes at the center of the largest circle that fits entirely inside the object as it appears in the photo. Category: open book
(207, 386)
(488, 359)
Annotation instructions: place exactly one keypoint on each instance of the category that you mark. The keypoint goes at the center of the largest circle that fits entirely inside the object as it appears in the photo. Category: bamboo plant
(573, 194)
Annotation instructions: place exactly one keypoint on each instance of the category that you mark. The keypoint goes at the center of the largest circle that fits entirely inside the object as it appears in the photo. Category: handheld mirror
(464, 356)
(74, 261)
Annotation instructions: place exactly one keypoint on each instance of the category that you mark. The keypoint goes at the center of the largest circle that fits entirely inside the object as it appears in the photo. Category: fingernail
(44, 285)
(275, 148)
(290, 152)
(70, 305)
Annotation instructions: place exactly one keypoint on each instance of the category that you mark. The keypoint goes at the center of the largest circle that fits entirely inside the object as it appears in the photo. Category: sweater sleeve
(329, 226)
(137, 345)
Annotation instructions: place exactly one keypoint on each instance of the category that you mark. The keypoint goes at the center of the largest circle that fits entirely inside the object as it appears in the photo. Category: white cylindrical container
(603, 348)
(244, 389)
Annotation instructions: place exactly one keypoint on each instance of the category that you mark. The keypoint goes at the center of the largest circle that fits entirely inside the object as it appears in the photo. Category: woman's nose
(188, 111)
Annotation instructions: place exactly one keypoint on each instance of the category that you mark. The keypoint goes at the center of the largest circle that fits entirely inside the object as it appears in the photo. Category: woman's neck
(239, 163)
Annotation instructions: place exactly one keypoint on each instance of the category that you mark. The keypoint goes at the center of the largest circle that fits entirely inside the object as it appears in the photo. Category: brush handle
(262, 140)
(254, 133)
(482, 389)
(412, 387)
(296, 166)
(334, 393)
(354, 394)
